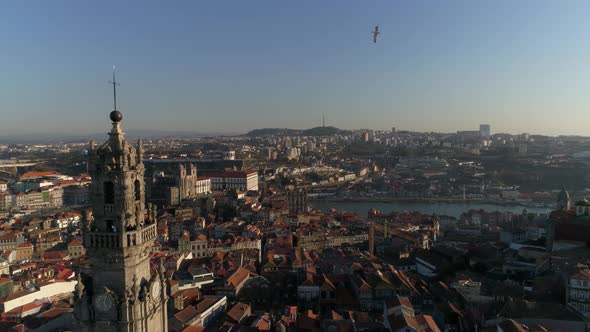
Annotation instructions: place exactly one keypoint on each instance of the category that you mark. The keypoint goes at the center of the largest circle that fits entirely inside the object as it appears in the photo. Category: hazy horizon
(211, 67)
(73, 137)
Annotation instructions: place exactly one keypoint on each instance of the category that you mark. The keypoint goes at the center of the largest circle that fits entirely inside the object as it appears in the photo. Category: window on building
(109, 192)
(137, 190)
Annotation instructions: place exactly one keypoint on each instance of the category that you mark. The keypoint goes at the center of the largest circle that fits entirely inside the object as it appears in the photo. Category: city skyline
(210, 68)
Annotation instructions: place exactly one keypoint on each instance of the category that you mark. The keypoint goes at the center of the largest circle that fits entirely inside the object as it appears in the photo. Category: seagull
(375, 33)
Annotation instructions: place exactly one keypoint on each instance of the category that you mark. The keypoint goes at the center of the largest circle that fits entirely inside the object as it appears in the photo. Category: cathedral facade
(118, 290)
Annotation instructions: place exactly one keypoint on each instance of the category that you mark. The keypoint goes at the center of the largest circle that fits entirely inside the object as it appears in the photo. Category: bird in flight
(375, 33)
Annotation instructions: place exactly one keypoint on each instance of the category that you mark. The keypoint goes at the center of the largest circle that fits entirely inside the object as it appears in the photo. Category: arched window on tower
(109, 192)
(137, 187)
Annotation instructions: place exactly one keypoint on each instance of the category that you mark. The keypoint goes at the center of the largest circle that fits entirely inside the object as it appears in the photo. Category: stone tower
(117, 290)
(187, 181)
(563, 200)
(372, 238)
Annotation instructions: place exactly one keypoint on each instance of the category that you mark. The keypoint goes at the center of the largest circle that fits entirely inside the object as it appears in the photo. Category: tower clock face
(155, 290)
(103, 302)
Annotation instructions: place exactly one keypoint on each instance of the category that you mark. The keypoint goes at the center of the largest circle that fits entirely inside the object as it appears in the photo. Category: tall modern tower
(484, 130)
(118, 291)
(297, 200)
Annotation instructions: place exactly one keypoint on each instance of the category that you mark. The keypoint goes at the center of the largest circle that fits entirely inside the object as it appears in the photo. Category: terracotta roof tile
(75, 242)
(186, 314)
(238, 277)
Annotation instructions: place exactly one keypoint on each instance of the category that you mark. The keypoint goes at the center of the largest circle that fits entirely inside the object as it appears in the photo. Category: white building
(484, 130)
(237, 180)
(197, 246)
(199, 277)
(11, 241)
(203, 185)
(578, 290)
(44, 292)
(229, 155)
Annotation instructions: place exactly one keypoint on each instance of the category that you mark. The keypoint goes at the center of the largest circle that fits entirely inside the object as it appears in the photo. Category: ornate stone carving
(119, 246)
(80, 289)
(113, 258)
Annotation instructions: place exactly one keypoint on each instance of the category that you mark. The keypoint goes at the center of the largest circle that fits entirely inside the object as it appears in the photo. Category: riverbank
(453, 208)
(437, 200)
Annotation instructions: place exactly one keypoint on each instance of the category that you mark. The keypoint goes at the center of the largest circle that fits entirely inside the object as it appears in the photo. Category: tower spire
(114, 83)
(323, 120)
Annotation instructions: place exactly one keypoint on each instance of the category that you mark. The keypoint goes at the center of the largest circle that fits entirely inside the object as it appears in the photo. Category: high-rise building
(484, 130)
(118, 290)
(298, 201)
(365, 136)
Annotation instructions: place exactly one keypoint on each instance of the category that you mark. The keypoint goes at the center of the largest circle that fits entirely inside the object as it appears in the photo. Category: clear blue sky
(231, 66)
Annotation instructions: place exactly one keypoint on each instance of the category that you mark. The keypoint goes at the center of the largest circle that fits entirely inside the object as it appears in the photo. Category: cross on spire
(115, 84)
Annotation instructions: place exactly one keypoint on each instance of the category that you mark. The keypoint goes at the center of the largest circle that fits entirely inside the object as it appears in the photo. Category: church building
(118, 290)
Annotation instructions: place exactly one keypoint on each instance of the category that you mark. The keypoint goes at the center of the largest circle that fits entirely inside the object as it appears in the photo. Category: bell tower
(563, 200)
(117, 290)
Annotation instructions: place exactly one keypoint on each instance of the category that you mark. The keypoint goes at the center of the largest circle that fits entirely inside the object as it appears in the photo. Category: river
(453, 209)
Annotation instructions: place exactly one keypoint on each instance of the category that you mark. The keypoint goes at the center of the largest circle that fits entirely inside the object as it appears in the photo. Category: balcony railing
(129, 238)
(109, 209)
(104, 240)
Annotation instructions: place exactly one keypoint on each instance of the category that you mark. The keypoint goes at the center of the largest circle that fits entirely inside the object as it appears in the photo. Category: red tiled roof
(426, 323)
(405, 302)
(75, 242)
(39, 174)
(64, 275)
(192, 328)
(582, 274)
(190, 295)
(186, 314)
(264, 323)
(238, 311)
(55, 312)
(8, 237)
(54, 255)
(308, 320)
(207, 303)
(26, 307)
(335, 315)
(238, 277)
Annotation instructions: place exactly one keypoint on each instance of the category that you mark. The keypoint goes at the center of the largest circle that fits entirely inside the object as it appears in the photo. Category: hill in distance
(317, 131)
(53, 138)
